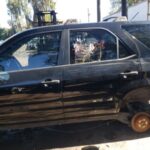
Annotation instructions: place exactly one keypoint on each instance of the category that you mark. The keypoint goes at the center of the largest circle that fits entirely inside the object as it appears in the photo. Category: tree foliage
(116, 4)
(4, 33)
(132, 2)
(23, 12)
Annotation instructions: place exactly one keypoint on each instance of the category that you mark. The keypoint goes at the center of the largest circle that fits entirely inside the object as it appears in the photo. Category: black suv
(75, 73)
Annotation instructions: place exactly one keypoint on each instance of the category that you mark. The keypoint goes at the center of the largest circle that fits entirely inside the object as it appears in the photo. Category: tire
(140, 122)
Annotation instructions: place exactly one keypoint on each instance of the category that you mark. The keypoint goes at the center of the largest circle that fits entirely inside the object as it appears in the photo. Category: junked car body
(75, 73)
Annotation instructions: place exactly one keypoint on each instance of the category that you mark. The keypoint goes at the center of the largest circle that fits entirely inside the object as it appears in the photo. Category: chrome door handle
(130, 73)
(51, 81)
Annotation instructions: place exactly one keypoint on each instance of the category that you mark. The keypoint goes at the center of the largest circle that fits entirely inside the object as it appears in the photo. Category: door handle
(130, 73)
(49, 81)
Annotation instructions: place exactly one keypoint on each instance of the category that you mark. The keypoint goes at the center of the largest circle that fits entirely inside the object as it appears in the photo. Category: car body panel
(68, 93)
(31, 97)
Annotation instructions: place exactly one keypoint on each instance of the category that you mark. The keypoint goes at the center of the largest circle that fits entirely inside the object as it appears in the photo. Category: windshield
(140, 32)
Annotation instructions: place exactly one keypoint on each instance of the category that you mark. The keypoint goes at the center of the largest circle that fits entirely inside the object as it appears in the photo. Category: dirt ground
(106, 135)
(138, 144)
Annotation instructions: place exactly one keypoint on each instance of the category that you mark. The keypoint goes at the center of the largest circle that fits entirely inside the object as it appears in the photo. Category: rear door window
(88, 45)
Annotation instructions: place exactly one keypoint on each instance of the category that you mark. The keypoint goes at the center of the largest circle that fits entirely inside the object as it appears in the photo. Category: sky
(3, 14)
(78, 9)
(67, 9)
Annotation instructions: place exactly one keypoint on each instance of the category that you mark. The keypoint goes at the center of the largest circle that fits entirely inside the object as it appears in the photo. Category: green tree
(4, 33)
(116, 4)
(23, 12)
(15, 14)
(132, 2)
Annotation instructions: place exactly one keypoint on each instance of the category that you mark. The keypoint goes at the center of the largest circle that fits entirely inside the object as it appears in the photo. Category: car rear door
(93, 77)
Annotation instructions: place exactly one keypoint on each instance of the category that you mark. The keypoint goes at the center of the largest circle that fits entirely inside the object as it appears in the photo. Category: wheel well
(137, 96)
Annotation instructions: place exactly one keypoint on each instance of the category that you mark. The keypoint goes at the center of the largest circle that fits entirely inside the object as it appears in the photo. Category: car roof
(112, 26)
(86, 25)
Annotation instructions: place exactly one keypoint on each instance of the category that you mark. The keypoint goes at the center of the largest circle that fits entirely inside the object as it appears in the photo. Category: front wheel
(140, 122)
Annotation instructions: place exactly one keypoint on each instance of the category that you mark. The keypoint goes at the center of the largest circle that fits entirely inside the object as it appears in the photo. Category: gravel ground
(110, 135)
(138, 144)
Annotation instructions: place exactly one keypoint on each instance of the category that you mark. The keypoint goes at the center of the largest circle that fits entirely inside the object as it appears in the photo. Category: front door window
(32, 52)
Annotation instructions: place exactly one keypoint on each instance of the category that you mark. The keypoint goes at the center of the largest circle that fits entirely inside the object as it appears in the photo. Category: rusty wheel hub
(141, 122)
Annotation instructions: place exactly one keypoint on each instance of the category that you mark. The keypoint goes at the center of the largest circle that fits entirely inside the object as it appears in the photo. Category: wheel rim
(141, 122)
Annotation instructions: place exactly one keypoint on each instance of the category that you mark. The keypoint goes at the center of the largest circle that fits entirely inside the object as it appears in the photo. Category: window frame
(31, 36)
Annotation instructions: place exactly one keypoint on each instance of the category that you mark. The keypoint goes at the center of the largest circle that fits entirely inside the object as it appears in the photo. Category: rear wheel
(140, 122)
(136, 103)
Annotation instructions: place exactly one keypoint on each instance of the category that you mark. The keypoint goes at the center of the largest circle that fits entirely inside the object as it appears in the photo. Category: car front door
(99, 66)
(30, 82)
